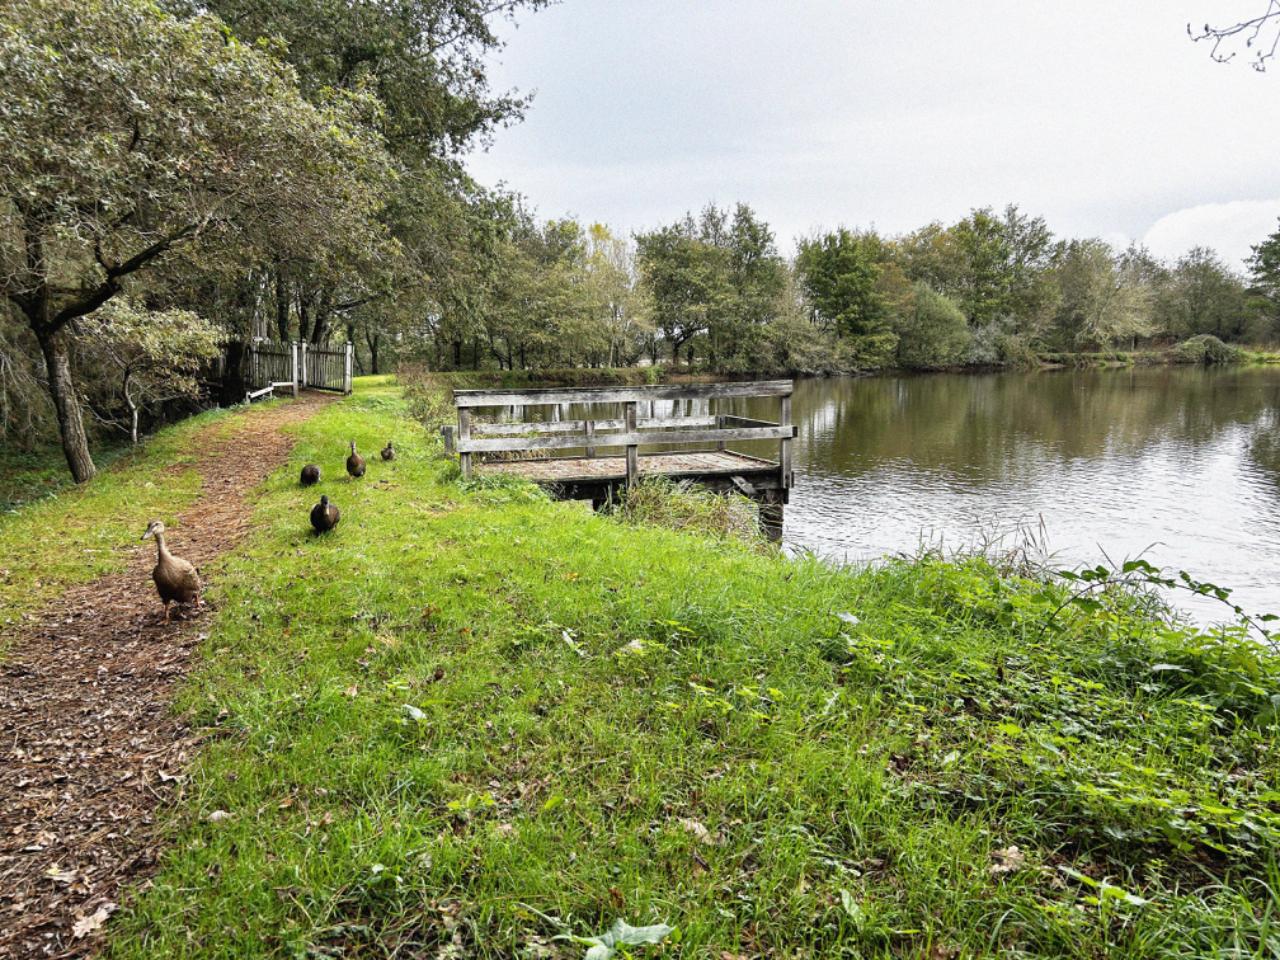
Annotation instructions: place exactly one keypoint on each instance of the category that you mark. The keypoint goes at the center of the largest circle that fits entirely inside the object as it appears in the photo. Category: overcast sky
(1098, 114)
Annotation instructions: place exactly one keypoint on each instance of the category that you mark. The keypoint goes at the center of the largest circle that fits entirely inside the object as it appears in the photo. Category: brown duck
(324, 516)
(310, 475)
(176, 579)
(355, 462)
(388, 452)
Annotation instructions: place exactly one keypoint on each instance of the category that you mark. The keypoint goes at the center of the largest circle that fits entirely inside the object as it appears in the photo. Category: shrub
(934, 333)
(1206, 349)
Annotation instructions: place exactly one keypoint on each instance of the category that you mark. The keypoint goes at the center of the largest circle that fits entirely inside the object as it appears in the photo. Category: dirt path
(89, 746)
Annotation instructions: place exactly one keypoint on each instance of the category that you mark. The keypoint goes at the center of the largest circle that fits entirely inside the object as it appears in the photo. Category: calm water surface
(1179, 465)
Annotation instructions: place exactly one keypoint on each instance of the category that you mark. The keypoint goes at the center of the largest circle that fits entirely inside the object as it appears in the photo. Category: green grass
(76, 534)
(471, 719)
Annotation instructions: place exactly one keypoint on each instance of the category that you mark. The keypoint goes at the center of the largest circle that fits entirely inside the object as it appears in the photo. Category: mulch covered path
(89, 744)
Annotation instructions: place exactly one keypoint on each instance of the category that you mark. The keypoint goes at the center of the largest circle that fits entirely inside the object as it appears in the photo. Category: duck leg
(166, 611)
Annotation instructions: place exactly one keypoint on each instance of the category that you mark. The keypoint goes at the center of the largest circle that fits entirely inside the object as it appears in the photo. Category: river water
(1178, 465)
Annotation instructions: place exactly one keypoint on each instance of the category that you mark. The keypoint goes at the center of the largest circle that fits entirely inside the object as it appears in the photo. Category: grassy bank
(472, 720)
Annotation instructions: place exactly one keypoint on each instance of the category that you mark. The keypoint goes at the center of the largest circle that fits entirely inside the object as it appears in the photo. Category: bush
(1206, 349)
(934, 333)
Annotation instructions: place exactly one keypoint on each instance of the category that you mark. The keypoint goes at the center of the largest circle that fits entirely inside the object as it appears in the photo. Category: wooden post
(633, 450)
(304, 362)
(464, 433)
(446, 432)
(295, 356)
(346, 378)
(719, 425)
(591, 436)
(784, 445)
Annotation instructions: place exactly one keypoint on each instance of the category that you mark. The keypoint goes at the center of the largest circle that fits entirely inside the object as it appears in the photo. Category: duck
(310, 475)
(355, 462)
(388, 452)
(176, 579)
(324, 516)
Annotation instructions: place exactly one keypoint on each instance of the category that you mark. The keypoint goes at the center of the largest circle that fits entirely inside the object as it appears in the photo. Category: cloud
(1230, 228)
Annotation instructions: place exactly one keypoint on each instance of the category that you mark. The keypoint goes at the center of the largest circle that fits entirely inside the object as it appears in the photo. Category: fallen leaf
(58, 875)
(698, 830)
(92, 923)
(1008, 860)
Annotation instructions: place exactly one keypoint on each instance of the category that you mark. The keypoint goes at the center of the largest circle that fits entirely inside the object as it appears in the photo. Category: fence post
(784, 445)
(346, 377)
(294, 350)
(303, 361)
(591, 438)
(633, 450)
(464, 434)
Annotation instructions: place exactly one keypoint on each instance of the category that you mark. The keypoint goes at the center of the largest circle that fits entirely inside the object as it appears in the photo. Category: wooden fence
(299, 364)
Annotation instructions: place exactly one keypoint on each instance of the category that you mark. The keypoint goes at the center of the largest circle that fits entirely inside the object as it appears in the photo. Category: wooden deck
(601, 479)
(690, 464)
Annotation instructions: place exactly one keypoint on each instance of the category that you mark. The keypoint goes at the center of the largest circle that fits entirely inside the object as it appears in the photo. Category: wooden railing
(631, 431)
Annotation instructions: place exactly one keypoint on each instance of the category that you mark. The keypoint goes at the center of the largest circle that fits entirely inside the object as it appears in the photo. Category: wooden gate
(299, 364)
(327, 368)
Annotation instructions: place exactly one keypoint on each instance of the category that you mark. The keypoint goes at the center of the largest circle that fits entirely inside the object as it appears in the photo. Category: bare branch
(1261, 36)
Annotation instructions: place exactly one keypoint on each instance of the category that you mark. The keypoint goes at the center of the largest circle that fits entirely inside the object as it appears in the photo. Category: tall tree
(125, 134)
(841, 274)
(1100, 303)
(1203, 296)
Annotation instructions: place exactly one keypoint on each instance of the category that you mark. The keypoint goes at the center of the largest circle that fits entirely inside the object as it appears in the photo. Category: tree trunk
(133, 408)
(282, 305)
(66, 405)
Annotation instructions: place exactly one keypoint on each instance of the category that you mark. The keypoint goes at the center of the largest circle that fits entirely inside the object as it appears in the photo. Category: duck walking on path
(324, 516)
(388, 452)
(355, 462)
(176, 579)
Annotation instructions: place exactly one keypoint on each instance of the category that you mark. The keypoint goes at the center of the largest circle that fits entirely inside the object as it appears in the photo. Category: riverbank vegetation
(182, 178)
(474, 721)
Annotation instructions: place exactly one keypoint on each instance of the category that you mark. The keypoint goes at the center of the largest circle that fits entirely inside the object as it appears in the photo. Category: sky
(1099, 115)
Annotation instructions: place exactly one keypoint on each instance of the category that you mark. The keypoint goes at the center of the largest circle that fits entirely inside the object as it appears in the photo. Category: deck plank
(566, 469)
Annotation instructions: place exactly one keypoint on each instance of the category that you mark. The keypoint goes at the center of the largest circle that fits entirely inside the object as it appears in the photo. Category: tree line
(179, 178)
(713, 291)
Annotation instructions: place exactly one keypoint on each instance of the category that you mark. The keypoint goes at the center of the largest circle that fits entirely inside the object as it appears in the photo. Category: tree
(1203, 296)
(613, 299)
(687, 279)
(1100, 304)
(156, 355)
(933, 332)
(127, 134)
(1264, 267)
(841, 273)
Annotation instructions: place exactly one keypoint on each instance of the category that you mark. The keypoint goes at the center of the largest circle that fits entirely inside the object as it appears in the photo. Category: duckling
(310, 475)
(355, 462)
(388, 452)
(176, 579)
(324, 516)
